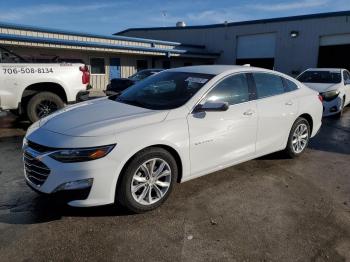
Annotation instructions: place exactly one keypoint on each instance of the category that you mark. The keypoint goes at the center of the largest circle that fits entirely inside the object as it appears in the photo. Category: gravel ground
(269, 209)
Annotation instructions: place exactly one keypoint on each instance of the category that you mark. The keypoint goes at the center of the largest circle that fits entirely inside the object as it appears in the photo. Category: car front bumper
(111, 92)
(98, 177)
(65, 195)
(332, 107)
(82, 96)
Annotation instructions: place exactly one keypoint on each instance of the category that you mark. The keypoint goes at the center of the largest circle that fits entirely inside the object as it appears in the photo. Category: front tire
(298, 138)
(43, 104)
(147, 180)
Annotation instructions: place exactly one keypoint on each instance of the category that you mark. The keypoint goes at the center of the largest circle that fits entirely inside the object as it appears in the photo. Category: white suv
(174, 126)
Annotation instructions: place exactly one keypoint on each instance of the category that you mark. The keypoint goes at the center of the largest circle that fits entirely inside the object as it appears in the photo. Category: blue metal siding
(45, 40)
(57, 31)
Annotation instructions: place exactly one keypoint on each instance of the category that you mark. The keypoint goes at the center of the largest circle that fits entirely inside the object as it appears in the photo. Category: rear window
(289, 85)
(324, 77)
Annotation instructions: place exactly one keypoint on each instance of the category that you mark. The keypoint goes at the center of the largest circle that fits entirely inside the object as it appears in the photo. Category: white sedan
(333, 85)
(172, 127)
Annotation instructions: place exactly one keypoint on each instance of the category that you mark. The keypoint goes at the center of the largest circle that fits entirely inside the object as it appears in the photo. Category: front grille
(40, 148)
(36, 171)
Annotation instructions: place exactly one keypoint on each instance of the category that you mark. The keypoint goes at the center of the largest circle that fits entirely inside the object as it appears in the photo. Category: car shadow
(334, 135)
(43, 209)
(274, 156)
(12, 126)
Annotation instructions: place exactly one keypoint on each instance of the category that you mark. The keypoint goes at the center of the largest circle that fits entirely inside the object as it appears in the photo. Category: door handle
(248, 112)
(289, 103)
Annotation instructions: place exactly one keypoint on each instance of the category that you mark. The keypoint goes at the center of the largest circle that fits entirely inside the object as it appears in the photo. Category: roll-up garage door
(334, 51)
(256, 50)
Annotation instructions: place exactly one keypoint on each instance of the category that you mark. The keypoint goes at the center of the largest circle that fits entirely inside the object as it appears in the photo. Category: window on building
(268, 84)
(166, 64)
(233, 90)
(141, 65)
(97, 66)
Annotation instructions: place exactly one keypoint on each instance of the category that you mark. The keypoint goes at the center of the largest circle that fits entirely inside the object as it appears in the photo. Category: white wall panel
(328, 40)
(256, 46)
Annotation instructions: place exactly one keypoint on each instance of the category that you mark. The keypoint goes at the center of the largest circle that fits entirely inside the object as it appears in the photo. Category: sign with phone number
(27, 70)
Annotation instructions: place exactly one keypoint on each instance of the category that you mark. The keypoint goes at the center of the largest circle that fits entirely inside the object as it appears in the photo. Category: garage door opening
(267, 63)
(337, 56)
(257, 50)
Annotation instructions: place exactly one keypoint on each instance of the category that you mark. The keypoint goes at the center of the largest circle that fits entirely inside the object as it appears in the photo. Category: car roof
(215, 69)
(326, 69)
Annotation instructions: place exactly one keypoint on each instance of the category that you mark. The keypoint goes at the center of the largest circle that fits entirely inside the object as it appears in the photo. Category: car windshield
(166, 90)
(140, 75)
(324, 77)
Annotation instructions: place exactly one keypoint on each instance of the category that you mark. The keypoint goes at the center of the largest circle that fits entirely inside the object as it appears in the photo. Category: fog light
(73, 185)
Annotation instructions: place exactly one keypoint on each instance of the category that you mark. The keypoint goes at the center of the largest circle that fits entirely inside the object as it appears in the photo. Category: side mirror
(211, 107)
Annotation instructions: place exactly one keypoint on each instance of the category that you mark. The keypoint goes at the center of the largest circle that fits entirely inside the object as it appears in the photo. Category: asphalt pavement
(268, 209)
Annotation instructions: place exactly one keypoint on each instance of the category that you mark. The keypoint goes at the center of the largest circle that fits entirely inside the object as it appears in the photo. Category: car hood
(100, 117)
(320, 87)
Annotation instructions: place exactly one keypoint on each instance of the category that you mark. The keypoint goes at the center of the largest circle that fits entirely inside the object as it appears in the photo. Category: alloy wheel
(45, 107)
(300, 138)
(151, 181)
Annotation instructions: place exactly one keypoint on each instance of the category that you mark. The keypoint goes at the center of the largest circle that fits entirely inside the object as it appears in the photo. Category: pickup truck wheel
(43, 104)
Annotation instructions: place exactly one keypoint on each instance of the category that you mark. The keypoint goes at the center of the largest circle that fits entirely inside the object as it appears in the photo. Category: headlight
(24, 143)
(330, 95)
(81, 154)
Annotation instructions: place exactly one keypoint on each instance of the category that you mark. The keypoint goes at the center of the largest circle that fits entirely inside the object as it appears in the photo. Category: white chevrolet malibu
(333, 84)
(172, 127)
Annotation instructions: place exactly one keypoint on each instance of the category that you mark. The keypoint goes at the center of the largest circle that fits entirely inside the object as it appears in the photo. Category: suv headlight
(81, 154)
(330, 95)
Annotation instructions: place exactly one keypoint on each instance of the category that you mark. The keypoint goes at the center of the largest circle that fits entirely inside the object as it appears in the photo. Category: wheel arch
(168, 148)
(309, 119)
(36, 88)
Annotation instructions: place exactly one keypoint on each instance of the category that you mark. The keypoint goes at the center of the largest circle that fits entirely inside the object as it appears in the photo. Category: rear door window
(268, 84)
(233, 90)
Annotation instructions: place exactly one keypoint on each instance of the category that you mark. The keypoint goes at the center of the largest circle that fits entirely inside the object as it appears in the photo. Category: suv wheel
(147, 180)
(43, 104)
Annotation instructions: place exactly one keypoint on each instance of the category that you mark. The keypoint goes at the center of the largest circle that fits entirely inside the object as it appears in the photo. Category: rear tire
(298, 138)
(145, 184)
(43, 104)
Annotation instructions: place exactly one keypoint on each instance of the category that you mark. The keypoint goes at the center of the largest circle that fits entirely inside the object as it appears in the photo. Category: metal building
(289, 44)
(107, 56)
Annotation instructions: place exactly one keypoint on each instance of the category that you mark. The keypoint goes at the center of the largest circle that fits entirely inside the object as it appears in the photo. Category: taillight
(320, 97)
(86, 74)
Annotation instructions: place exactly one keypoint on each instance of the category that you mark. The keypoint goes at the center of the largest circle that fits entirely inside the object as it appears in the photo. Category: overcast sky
(107, 17)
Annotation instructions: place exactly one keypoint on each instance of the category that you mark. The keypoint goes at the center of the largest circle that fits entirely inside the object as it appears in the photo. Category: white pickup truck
(38, 89)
